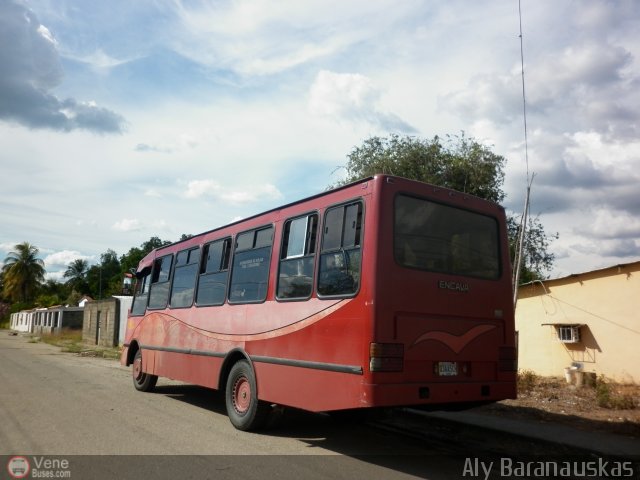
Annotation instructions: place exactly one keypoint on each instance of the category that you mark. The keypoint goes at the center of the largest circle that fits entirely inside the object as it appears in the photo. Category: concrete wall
(606, 305)
(101, 325)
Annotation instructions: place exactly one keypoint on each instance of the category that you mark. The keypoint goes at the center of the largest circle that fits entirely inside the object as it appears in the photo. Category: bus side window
(159, 292)
(142, 294)
(295, 279)
(250, 270)
(214, 272)
(184, 278)
(339, 271)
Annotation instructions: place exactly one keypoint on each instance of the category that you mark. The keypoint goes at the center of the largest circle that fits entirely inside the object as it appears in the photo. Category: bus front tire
(244, 409)
(144, 382)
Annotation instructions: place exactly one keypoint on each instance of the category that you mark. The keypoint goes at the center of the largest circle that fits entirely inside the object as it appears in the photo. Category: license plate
(447, 369)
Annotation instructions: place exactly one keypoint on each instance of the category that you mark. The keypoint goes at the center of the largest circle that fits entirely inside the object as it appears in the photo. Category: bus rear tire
(144, 382)
(244, 409)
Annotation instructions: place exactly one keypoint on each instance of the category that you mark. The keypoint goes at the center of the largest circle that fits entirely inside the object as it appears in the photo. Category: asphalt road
(64, 407)
(61, 405)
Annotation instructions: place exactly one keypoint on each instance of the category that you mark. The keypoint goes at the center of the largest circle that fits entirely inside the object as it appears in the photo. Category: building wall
(21, 321)
(605, 302)
(46, 320)
(101, 324)
(125, 306)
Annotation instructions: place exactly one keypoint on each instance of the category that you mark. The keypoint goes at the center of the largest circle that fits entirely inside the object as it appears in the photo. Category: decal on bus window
(250, 270)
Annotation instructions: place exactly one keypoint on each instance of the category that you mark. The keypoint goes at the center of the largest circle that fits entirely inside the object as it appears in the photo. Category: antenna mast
(523, 222)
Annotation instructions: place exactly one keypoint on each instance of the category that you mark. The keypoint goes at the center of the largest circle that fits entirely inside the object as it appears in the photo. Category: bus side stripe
(329, 367)
(188, 351)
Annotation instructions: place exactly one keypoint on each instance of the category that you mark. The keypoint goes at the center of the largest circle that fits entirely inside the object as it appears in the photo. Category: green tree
(459, 163)
(23, 272)
(105, 278)
(73, 298)
(5, 310)
(130, 260)
(51, 293)
(76, 275)
(154, 242)
(537, 258)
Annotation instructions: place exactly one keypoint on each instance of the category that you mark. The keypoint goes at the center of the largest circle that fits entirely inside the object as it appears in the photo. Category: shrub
(607, 398)
(527, 380)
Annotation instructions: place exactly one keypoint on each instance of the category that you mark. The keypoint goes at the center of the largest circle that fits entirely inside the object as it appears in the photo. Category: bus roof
(147, 261)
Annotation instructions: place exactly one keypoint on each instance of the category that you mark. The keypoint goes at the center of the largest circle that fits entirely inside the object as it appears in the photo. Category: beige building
(105, 321)
(590, 320)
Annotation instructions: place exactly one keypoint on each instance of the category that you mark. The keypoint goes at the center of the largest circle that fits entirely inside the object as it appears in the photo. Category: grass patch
(527, 381)
(64, 338)
(608, 397)
(71, 341)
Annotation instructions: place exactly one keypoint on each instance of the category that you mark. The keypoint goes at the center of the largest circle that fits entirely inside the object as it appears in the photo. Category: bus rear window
(440, 238)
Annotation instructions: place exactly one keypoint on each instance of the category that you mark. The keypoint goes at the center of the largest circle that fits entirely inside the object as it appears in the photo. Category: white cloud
(211, 188)
(7, 247)
(351, 97)
(198, 188)
(608, 224)
(161, 225)
(182, 143)
(338, 94)
(127, 225)
(263, 38)
(62, 259)
(46, 34)
(100, 60)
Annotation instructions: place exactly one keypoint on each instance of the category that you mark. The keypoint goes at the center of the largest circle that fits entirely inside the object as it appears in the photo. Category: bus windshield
(439, 238)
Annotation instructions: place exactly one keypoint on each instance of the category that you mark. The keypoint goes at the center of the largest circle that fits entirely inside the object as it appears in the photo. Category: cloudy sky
(123, 120)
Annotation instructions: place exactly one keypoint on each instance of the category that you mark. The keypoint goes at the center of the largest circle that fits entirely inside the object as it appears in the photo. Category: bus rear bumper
(432, 393)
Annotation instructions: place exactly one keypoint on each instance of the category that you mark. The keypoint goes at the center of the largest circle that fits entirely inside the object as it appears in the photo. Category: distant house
(104, 321)
(84, 300)
(46, 320)
(589, 320)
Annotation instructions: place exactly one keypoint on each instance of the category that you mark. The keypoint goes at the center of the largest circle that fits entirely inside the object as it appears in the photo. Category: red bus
(385, 292)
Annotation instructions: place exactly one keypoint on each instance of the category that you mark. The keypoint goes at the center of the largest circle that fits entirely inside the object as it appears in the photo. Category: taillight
(507, 359)
(386, 357)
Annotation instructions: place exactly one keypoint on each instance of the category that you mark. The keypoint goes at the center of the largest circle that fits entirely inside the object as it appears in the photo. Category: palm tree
(77, 274)
(23, 272)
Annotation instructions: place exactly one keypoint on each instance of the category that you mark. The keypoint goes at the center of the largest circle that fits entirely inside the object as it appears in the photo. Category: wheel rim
(241, 395)
(137, 369)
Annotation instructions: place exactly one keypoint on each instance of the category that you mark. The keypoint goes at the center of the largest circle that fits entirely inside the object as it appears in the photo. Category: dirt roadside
(552, 400)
